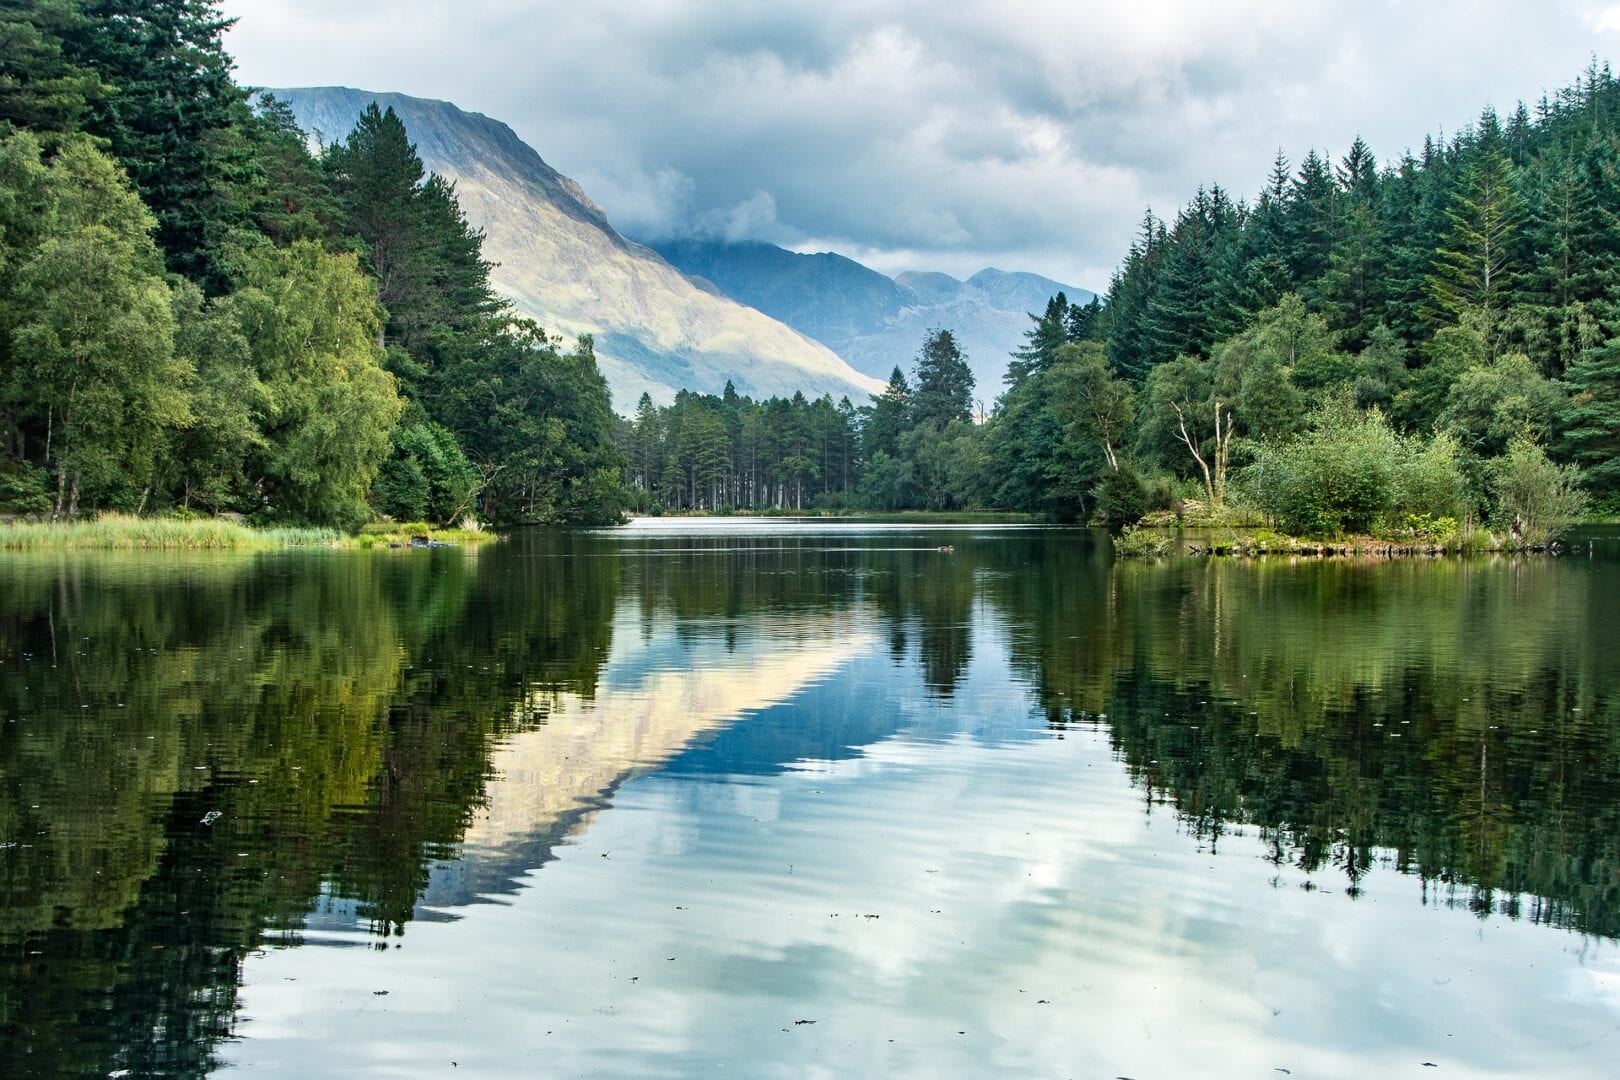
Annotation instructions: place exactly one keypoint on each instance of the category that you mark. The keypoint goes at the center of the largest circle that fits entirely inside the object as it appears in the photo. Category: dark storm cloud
(1021, 134)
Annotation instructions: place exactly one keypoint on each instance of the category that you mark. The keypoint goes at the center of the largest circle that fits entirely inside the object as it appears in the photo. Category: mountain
(826, 296)
(560, 261)
(872, 321)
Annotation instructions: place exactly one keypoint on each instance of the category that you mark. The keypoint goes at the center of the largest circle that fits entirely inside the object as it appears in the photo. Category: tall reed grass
(126, 532)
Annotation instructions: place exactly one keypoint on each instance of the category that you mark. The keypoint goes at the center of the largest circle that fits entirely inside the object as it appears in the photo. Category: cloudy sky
(1024, 134)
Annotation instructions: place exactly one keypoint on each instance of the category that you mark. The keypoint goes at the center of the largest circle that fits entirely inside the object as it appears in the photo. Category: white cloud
(1030, 134)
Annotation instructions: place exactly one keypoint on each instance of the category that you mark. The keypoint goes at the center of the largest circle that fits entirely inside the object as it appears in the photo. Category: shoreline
(120, 532)
(943, 517)
(1161, 542)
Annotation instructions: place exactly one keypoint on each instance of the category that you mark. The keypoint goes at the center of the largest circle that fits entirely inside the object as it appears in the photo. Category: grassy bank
(123, 532)
(1154, 542)
(397, 535)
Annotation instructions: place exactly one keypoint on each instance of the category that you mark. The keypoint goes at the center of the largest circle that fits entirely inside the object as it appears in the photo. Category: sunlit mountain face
(560, 261)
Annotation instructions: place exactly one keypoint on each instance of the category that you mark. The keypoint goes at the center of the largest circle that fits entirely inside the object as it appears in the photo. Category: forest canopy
(201, 314)
(198, 314)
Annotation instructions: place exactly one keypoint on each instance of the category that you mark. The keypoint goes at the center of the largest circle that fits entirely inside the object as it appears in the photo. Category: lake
(793, 800)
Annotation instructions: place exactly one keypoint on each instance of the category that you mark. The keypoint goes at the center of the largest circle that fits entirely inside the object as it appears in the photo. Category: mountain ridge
(873, 321)
(559, 260)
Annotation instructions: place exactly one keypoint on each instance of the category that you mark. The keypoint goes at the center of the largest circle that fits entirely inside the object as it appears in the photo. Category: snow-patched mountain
(560, 261)
(873, 321)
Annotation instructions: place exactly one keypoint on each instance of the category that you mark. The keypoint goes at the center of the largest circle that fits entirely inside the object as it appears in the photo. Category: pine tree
(1310, 220)
(646, 444)
(944, 382)
(431, 275)
(172, 119)
(377, 177)
(888, 417)
(1477, 263)
(1050, 332)
(1592, 420)
(1351, 291)
(1130, 295)
(41, 90)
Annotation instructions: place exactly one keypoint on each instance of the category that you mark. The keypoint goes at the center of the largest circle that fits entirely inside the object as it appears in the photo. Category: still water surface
(783, 801)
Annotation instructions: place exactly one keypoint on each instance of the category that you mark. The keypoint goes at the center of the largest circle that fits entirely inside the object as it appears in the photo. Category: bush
(1351, 473)
(1122, 498)
(1536, 501)
(1133, 542)
(25, 489)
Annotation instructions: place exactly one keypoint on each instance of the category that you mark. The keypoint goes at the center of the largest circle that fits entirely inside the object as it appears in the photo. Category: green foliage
(888, 417)
(426, 477)
(1592, 421)
(537, 424)
(41, 89)
(87, 322)
(1446, 287)
(25, 489)
(311, 322)
(173, 120)
(251, 378)
(1380, 370)
(1091, 401)
(1477, 262)
(1351, 473)
(1536, 499)
(944, 384)
(1122, 498)
(1139, 543)
(1489, 406)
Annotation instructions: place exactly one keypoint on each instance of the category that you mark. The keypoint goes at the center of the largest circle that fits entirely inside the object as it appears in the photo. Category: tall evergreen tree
(1592, 421)
(41, 89)
(888, 418)
(1042, 341)
(172, 119)
(1477, 263)
(944, 387)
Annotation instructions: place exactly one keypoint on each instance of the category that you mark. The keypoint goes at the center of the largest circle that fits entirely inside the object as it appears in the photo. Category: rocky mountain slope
(562, 263)
(871, 320)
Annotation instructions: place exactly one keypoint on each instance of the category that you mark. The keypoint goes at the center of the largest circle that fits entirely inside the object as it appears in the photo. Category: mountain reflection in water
(838, 769)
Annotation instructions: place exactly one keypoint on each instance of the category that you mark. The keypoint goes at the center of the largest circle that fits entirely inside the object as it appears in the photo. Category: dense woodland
(197, 314)
(1364, 347)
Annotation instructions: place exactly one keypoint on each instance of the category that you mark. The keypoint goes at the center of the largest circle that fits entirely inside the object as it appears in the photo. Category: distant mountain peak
(560, 261)
(873, 321)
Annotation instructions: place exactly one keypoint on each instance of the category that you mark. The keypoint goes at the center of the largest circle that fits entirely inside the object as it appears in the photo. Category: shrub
(1122, 498)
(1536, 500)
(1133, 542)
(25, 489)
(1351, 473)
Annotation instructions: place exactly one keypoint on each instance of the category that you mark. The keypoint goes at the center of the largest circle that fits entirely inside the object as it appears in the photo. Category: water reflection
(204, 755)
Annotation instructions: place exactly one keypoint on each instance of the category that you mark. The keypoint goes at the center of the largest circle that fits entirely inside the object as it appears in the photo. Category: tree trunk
(1186, 437)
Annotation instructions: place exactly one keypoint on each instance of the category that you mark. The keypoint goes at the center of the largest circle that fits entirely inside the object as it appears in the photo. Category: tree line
(1365, 344)
(912, 446)
(1364, 347)
(200, 314)
(1361, 347)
